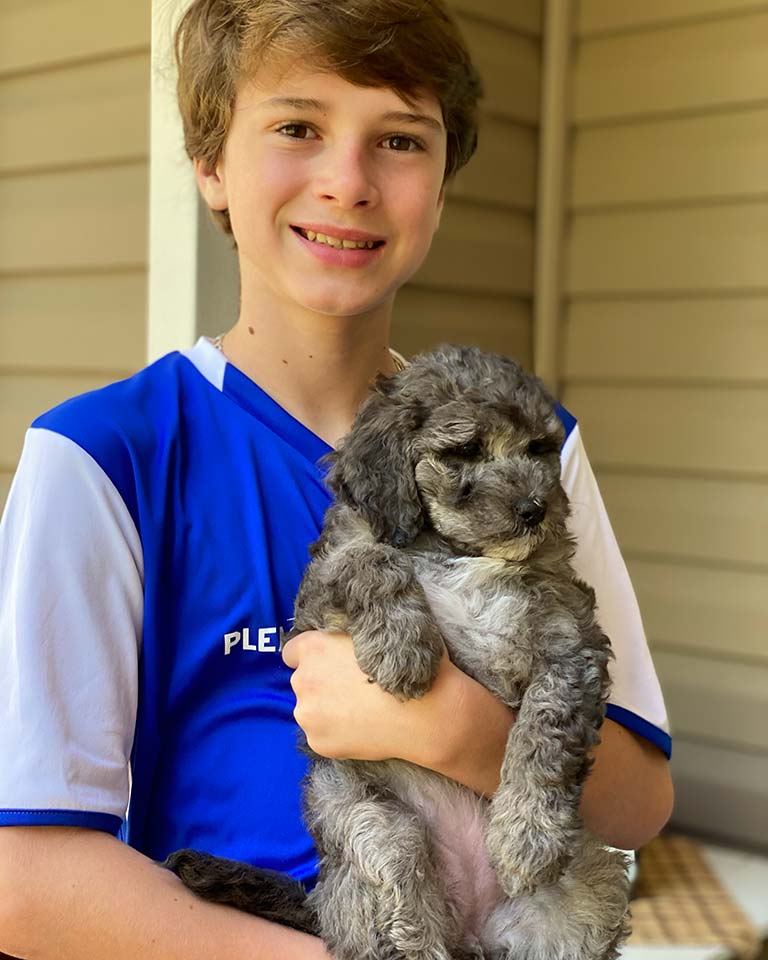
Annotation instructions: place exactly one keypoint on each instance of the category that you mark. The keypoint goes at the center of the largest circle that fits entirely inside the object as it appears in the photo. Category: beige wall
(476, 286)
(665, 361)
(74, 118)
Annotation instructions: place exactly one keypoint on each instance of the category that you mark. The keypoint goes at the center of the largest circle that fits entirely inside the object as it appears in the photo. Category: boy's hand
(345, 716)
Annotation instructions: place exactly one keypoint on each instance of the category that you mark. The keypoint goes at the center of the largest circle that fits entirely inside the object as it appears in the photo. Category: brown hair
(410, 46)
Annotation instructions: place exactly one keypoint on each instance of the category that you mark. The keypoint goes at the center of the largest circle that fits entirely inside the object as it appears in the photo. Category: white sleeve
(636, 700)
(71, 608)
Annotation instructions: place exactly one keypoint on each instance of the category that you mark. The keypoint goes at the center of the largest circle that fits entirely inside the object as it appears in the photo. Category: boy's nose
(346, 178)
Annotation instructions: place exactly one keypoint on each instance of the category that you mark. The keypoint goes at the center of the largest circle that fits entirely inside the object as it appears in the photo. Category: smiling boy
(348, 164)
(157, 530)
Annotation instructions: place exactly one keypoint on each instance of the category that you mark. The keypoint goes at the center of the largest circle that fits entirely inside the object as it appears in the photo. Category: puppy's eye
(467, 451)
(541, 446)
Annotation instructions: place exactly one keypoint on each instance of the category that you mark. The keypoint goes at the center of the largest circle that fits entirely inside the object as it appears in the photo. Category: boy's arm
(76, 894)
(70, 626)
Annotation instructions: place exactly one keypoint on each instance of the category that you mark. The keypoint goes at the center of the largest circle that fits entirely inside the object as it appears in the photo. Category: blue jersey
(153, 543)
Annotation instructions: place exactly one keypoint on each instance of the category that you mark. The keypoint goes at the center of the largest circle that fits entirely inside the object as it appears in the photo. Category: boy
(158, 529)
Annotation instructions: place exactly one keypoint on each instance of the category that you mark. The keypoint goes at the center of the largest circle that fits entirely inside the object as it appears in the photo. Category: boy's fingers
(295, 647)
(290, 652)
(319, 640)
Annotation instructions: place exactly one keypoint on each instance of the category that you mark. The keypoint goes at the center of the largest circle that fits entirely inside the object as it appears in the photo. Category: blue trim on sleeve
(106, 822)
(567, 419)
(640, 726)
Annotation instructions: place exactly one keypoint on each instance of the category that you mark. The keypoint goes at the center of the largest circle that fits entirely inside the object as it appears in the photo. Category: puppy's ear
(373, 470)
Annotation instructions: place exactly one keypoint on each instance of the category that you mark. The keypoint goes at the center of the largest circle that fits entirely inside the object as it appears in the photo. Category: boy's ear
(440, 206)
(211, 184)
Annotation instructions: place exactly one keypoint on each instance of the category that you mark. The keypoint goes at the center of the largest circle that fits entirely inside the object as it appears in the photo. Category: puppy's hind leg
(379, 896)
(581, 917)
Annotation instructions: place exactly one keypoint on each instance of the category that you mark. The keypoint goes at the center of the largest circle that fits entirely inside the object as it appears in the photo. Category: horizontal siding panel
(23, 398)
(715, 700)
(522, 15)
(722, 612)
(510, 66)
(697, 340)
(426, 318)
(718, 248)
(697, 67)
(35, 34)
(479, 248)
(84, 114)
(503, 171)
(720, 789)
(599, 15)
(707, 520)
(80, 322)
(722, 431)
(79, 219)
(720, 156)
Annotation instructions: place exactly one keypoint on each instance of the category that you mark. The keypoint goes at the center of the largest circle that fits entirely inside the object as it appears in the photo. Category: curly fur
(449, 528)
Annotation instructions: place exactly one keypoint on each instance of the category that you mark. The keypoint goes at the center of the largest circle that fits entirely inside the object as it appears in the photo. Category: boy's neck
(319, 369)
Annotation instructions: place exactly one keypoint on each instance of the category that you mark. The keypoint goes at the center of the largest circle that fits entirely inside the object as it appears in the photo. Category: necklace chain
(218, 342)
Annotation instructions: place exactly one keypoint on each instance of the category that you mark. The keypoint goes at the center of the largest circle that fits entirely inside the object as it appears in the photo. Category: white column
(193, 277)
(550, 201)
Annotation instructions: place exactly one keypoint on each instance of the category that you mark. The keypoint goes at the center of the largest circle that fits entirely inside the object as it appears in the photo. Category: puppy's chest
(484, 615)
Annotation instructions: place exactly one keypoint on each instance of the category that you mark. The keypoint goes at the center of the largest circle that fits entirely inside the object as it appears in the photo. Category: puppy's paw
(405, 664)
(195, 869)
(209, 877)
(526, 856)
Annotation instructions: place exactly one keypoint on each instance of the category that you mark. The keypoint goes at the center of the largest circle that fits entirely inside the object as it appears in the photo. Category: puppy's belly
(456, 819)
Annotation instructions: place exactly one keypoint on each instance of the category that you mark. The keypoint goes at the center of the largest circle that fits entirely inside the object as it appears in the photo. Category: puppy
(449, 530)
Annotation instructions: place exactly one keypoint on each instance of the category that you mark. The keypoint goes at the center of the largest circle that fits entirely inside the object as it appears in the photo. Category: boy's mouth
(337, 242)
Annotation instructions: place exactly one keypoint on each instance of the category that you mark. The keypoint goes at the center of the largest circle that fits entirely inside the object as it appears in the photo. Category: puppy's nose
(530, 511)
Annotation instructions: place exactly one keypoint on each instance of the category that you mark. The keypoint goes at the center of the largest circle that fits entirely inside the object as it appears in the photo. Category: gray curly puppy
(449, 530)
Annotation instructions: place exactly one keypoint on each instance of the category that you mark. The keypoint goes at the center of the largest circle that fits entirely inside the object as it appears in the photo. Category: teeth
(336, 243)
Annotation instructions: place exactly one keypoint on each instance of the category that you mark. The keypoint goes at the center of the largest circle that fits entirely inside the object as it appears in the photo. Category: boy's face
(354, 163)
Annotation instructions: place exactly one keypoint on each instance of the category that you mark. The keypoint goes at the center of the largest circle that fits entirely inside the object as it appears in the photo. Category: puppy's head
(463, 442)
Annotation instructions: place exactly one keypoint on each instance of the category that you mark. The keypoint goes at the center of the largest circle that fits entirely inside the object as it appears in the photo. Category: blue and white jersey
(150, 552)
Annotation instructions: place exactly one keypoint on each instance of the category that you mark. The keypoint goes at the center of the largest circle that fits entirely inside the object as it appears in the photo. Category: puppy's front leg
(535, 822)
(370, 590)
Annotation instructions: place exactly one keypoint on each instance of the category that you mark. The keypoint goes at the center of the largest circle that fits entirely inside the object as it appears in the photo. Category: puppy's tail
(264, 893)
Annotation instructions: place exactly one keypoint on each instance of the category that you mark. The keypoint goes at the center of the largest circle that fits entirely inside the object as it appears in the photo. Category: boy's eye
(296, 131)
(403, 144)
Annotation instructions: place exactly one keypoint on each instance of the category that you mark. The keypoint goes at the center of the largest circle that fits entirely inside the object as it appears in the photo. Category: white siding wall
(665, 361)
(74, 118)
(476, 286)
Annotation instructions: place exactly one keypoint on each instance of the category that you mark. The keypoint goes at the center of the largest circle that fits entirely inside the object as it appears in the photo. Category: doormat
(679, 900)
